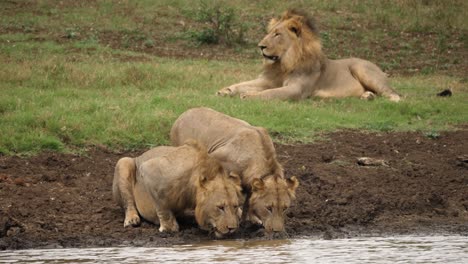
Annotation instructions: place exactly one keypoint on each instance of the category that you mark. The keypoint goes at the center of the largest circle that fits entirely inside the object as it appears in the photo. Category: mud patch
(60, 200)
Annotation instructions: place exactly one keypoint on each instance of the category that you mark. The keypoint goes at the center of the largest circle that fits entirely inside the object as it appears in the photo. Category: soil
(418, 184)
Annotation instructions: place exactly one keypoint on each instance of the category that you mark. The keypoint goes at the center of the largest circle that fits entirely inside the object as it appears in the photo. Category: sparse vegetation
(221, 24)
(432, 135)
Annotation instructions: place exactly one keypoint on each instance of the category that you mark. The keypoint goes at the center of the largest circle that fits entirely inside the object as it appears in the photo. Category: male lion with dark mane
(165, 181)
(295, 67)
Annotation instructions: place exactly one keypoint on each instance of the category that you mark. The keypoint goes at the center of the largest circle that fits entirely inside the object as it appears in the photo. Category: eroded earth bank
(60, 200)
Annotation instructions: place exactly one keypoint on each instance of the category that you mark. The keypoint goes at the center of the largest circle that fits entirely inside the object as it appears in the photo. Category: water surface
(399, 249)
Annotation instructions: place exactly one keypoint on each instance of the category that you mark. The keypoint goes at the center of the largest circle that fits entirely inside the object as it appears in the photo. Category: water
(399, 249)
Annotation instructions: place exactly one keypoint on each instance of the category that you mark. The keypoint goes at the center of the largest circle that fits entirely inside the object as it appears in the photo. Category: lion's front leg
(290, 92)
(254, 219)
(167, 221)
(259, 84)
(131, 218)
(227, 91)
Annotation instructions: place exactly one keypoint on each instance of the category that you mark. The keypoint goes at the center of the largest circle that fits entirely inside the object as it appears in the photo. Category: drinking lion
(165, 181)
(249, 152)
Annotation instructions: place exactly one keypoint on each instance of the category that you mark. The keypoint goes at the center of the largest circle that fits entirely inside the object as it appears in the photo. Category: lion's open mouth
(273, 58)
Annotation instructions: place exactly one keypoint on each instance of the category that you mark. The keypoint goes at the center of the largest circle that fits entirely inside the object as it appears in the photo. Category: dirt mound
(61, 200)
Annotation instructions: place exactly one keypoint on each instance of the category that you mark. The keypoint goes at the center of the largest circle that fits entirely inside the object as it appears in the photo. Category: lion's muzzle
(272, 58)
(269, 57)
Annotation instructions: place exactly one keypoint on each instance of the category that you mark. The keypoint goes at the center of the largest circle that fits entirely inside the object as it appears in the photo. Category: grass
(64, 89)
(58, 105)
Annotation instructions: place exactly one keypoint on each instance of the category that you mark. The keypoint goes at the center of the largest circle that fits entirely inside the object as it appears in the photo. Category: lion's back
(206, 126)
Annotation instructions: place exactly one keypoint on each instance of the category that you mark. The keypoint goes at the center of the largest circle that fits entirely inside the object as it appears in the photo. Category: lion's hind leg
(122, 190)
(373, 80)
(368, 95)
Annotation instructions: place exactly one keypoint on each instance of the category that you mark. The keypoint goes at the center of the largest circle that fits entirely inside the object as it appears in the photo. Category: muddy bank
(60, 200)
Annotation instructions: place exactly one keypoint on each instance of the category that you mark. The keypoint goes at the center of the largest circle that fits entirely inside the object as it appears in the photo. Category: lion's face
(291, 42)
(277, 42)
(269, 201)
(218, 204)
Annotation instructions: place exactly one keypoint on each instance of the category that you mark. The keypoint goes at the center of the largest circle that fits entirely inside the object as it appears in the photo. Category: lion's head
(292, 43)
(219, 197)
(270, 199)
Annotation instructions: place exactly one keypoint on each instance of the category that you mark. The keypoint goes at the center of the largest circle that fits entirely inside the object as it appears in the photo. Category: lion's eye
(276, 34)
(269, 208)
(221, 207)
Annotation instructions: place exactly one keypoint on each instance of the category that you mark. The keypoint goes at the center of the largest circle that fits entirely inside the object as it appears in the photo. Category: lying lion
(295, 67)
(165, 181)
(247, 151)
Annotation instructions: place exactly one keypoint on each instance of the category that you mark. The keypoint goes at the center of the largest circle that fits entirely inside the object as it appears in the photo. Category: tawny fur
(247, 151)
(295, 67)
(165, 181)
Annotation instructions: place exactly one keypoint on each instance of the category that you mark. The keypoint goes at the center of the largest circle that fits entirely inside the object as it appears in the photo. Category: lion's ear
(295, 28)
(239, 213)
(235, 178)
(258, 185)
(292, 184)
(202, 180)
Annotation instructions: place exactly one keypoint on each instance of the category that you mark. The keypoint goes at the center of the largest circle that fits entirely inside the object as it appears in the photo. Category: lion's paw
(173, 227)
(248, 95)
(394, 98)
(254, 219)
(132, 220)
(368, 96)
(225, 92)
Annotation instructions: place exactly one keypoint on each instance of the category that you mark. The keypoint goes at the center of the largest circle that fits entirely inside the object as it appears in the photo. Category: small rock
(20, 182)
(327, 158)
(13, 231)
(440, 211)
(366, 161)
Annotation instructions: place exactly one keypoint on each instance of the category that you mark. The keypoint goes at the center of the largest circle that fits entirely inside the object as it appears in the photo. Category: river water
(398, 249)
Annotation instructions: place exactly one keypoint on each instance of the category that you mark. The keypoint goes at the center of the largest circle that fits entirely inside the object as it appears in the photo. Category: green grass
(60, 105)
(62, 89)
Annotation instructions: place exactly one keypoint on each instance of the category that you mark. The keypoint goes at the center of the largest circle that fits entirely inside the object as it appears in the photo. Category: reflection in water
(403, 249)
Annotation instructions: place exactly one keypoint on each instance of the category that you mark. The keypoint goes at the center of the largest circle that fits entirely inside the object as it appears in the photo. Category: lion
(165, 181)
(295, 67)
(247, 151)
